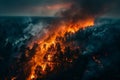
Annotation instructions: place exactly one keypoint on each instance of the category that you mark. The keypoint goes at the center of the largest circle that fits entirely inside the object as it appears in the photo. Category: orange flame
(44, 54)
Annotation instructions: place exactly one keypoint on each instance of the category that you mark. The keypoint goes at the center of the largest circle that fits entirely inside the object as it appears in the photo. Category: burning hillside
(73, 46)
(87, 53)
(54, 50)
(71, 55)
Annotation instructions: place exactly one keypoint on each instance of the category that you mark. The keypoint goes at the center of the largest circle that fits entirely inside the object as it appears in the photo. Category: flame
(44, 60)
(14, 78)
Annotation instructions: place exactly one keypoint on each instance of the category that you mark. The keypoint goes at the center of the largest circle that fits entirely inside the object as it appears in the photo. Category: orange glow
(44, 60)
(59, 6)
(14, 78)
(32, 76)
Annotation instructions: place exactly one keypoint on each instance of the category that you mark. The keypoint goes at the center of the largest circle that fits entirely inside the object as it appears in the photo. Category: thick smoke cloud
(92, 8)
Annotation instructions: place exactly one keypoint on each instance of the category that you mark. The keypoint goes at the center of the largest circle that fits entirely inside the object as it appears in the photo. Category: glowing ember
(32, 76)
(14, 78)
(51, 49)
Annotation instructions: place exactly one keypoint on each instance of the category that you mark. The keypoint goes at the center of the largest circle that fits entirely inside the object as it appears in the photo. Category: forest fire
(55, 50)
(60, 40)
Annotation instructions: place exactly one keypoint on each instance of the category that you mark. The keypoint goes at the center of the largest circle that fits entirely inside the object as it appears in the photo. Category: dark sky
(49, 7)
(32, 7)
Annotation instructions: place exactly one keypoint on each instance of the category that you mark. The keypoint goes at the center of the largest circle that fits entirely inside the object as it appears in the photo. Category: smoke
(82, 9)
